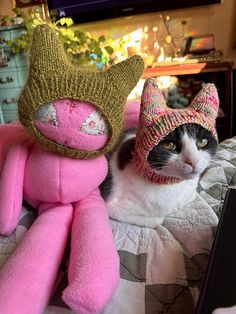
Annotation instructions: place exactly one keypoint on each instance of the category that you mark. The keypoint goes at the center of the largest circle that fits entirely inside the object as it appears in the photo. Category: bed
(160, 269)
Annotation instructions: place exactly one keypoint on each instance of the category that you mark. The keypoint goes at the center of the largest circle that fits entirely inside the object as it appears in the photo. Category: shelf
(187, 68)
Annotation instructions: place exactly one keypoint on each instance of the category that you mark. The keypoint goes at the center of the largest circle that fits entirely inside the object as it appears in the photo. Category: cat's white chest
(136, 201)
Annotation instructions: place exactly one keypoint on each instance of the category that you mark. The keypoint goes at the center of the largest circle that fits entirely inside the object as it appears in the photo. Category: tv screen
(93, 10)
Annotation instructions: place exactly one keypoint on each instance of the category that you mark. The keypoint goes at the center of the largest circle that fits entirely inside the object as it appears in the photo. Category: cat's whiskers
(133, 198)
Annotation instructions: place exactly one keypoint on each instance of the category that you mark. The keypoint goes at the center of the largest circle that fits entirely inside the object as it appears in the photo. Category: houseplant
(82, 47)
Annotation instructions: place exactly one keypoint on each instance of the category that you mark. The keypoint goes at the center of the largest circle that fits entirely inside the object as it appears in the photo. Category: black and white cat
(183, 154)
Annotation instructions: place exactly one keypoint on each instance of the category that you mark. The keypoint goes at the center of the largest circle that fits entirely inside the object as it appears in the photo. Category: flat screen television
(93, 10)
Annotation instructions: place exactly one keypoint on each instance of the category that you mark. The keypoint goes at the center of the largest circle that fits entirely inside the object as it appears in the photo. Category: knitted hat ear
(152, 101)
(47, 54)
(126, 74)
(206, 101)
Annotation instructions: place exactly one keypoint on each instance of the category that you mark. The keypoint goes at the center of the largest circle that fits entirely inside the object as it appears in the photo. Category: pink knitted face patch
(73, 124)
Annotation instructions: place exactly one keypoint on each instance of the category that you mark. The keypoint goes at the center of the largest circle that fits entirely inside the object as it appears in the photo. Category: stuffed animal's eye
(202, 143)
(169, 145)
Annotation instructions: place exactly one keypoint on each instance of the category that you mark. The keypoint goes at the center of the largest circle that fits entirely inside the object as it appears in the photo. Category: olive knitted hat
(157, 121)
(53, 77)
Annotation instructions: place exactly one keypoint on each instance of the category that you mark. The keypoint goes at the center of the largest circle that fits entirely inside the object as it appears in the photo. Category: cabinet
(13, 71)
(219, 73)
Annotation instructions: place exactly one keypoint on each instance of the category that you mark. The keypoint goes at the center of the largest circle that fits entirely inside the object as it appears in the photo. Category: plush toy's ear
(13, 155)
(206, 101)
(152, 101)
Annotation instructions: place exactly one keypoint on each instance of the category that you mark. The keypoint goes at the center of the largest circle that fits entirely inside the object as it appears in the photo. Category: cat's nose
(190, 162)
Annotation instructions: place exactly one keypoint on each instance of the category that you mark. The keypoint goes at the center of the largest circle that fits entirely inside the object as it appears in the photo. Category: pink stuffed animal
(74, 117)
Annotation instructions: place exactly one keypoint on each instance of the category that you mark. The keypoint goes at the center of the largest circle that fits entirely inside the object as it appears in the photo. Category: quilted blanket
(160, 269)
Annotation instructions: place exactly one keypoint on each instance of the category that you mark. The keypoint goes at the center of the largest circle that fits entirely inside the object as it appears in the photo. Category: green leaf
(104, 59)
(92, 45)
(80, 46)
(98, 51)
(101, 39)
(66, 21)
(109, 50)
(68, 33)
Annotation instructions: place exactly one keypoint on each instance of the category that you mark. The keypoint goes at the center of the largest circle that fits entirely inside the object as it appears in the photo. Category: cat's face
(184, 153)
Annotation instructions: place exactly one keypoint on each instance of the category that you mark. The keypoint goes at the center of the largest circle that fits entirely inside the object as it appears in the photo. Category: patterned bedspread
(161, 269)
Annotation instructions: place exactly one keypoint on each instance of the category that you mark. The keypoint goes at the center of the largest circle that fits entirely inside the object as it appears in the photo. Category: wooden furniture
(13, 72)
(219, 73)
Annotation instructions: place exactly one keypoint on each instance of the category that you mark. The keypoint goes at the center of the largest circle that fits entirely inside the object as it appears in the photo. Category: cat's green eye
(169, 145)
(202, 143)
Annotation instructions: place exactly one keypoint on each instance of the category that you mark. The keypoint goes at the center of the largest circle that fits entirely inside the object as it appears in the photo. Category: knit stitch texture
(52, 76)
(157, 121)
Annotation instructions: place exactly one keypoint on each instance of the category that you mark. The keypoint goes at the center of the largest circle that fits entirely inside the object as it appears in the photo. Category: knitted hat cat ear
(53, 77)
(157, 121)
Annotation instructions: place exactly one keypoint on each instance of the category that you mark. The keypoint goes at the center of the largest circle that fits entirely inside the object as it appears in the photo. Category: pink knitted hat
(157, 121)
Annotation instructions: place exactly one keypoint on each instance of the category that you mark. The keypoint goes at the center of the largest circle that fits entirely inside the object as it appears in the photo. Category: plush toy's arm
(94, 263)
(14, 152)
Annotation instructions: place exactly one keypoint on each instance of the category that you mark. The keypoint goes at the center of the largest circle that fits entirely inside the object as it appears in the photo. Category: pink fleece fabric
(68, 124)
(66, 193)
(132, 113)
(14, 146)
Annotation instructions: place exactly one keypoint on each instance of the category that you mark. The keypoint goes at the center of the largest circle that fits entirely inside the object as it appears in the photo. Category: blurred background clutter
(183, 43)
